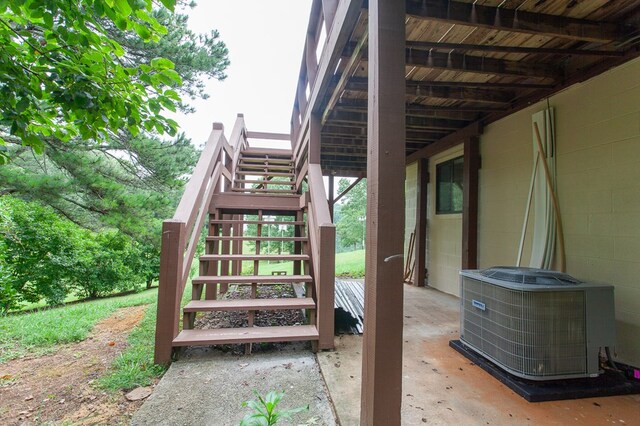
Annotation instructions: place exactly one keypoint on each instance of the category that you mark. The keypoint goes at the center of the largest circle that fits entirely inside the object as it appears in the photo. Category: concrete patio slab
(208, 387)
(441, 387)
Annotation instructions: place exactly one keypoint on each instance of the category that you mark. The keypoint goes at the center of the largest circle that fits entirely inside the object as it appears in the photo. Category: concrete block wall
(598, 178)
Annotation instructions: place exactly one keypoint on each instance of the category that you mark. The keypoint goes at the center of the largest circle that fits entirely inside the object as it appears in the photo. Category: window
(449, 186)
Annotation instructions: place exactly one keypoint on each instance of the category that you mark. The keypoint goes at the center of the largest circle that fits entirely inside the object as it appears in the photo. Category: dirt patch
(58, 387)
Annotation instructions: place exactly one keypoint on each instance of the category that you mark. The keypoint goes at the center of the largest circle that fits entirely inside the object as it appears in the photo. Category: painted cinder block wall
(598, 166)
(598, 178)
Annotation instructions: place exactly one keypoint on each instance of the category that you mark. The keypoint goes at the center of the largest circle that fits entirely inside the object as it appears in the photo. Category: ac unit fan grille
(533, 333)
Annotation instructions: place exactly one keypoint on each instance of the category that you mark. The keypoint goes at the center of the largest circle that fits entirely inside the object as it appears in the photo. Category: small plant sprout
(265, 412)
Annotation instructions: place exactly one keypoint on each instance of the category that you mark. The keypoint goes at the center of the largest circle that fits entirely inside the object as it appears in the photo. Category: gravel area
(234, 319)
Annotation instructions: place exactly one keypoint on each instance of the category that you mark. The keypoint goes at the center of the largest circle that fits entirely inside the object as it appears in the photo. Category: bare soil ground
(57, 388)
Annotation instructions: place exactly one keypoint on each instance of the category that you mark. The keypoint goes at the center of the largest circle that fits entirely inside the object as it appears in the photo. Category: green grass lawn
(348, 264)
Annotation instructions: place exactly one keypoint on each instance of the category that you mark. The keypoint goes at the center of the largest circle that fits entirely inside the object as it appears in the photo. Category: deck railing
(181, 233)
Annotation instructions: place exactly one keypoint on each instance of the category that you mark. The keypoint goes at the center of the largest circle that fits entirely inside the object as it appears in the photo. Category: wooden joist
(519, 21)
(219, 336)
(511, 49)
(412, 122)
(418, 89)
(459, 62)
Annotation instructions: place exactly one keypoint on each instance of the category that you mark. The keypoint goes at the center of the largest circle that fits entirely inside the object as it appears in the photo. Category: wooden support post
(382, 344)
(171, 264)
(421, 224)
(326, 285)
(331, 201)
(470, 203)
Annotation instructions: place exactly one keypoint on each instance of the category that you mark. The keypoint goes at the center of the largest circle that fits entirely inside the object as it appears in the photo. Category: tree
(353, 210)
(66, 78)
(123, 181)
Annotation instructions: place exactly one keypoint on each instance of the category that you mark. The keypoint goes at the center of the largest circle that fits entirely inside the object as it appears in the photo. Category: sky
(265, 41)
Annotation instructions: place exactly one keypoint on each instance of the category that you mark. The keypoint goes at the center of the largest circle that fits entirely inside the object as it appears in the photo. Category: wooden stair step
(265, 190)
(221, 336)
(266, 160)
(265, 182)
(250, 304)
(248, 238)
(257, 173)
(257, 222)
(272, 152)
(242, 279)
(243, 257)
(267, 194)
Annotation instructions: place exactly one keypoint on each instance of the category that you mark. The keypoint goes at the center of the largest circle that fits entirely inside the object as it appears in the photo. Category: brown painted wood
(245, 257)
(419, 89)
(250, 304)
(222, 336)
(272, 152)
(511, 49)
(420, 244)
(260, 238)
(330, 199)
(504, 19)
(169, 294)
(457, 62)
(346, 191)
(329, 8)
(268, 135)
(238, 279)
(246, 201)
(470, 203)
(382, 344)
(261, 222)
(447, 142)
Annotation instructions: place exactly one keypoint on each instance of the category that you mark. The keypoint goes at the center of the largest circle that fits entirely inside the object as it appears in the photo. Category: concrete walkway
(208, 387)
(441, 387)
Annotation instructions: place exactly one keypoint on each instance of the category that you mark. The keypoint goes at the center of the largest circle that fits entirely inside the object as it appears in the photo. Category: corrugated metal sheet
(350, 297)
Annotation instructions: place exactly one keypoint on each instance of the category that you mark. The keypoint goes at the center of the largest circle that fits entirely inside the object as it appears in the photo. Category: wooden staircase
(242, 187)
(258, 175)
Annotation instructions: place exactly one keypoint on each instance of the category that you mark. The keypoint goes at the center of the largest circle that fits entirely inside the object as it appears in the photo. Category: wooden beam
(512, 49)
(415, 89)
(383, 311)
(459, 62)
(415, 108)
(412, 122)
(358, 132)
(346, 191)
(354, 60)
(520, 21)
(420, 250)
(470, 203)
(449, 141)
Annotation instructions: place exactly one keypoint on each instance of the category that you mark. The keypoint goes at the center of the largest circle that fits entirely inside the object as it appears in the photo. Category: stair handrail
(181, 233)
(322, 237)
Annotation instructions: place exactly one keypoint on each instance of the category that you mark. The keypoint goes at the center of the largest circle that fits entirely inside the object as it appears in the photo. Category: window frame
(450, 164)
